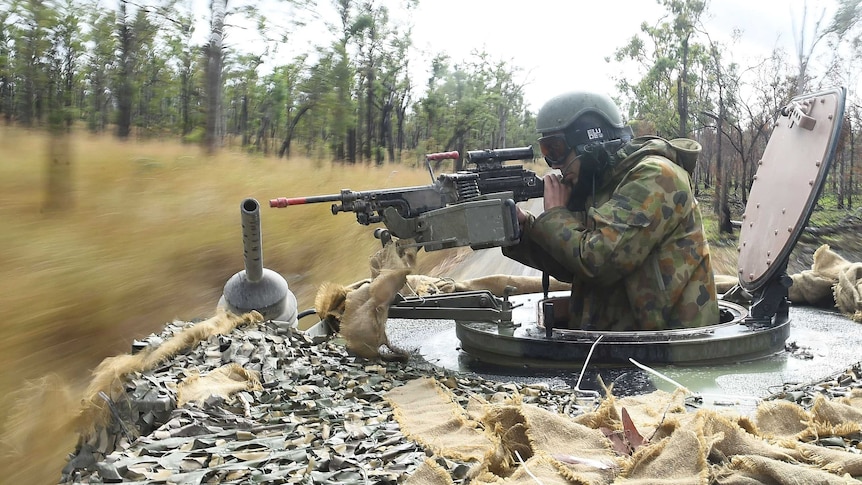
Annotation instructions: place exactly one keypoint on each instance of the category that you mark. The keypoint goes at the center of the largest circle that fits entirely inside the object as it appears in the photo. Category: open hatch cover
(787, 183)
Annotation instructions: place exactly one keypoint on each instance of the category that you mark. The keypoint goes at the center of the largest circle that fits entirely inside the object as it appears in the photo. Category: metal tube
(251, 240)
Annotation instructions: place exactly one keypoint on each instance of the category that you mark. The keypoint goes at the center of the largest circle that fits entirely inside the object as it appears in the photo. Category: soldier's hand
(522, 217)
(556, 192)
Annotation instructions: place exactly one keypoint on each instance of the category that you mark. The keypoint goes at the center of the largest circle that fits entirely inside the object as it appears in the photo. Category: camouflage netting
(235, 399)
(254, 403)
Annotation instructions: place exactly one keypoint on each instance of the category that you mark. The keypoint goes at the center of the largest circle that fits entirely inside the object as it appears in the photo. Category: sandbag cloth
(831, 277)
(831, 281)
(517, 443)
(359, 311)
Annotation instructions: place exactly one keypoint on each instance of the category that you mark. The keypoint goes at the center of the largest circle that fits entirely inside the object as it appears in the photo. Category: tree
(304, 89)
(214, 60)
(662, 96)
(66, 47)
(7, 57)
(32, 34)
(99, 68)
(726, 85)
(473, 105)
(183, 57)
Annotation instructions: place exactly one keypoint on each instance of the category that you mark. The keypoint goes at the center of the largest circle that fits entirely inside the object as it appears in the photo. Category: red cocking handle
(443, 156)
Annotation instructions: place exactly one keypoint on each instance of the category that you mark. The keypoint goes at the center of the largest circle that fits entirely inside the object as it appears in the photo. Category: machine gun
(473, 207)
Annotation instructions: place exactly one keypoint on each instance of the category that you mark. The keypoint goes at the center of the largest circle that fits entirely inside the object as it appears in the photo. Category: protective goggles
(555, 149)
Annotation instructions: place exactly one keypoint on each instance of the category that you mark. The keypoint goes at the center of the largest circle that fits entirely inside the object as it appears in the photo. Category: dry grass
(148, 233)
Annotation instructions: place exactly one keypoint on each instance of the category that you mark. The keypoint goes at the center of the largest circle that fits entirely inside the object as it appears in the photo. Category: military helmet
(560, 111)
(591, 122)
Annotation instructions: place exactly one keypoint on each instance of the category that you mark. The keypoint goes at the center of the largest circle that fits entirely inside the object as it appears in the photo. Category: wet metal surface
(822, 343)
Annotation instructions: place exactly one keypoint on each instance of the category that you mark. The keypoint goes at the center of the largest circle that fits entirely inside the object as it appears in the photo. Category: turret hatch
(786, 187)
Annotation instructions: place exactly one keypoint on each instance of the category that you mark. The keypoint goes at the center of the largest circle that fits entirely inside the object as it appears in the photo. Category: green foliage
(669, 65)
(354, 97)
(475, 104)
(196, 136)
(136, 66)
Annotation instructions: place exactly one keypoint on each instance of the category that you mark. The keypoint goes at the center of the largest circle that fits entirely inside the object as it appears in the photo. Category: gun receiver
(473, 207)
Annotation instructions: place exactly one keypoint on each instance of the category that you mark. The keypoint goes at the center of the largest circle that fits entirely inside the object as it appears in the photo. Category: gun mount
(257, 288)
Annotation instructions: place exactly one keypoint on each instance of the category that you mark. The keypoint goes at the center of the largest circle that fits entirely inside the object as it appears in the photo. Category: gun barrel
(251, 240)
(282, 202)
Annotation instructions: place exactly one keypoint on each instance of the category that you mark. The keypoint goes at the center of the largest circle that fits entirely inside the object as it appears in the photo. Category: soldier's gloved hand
(556, 192)
(521, 216)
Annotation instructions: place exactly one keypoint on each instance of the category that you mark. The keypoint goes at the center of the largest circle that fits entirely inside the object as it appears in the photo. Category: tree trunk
(386, 127)
(850, 170)
(369, 112)
(682, 89)
(400, 136)
(503, 117)
(243, 121)
(124, 90)
(186, 98)
(351, 145)
(213, 133)
(720, 207)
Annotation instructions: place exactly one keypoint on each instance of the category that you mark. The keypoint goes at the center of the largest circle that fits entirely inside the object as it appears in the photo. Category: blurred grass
(149, 233)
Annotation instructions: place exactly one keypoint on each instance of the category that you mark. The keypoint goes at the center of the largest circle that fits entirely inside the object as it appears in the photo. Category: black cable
(305, 313)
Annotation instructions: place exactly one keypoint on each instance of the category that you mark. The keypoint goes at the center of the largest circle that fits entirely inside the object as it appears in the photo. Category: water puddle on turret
(821, 344)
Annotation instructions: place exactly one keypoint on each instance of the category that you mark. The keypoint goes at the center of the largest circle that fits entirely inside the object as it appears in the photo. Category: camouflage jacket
(637, 258)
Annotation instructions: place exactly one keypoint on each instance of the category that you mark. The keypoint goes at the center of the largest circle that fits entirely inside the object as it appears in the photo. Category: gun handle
(443, 156)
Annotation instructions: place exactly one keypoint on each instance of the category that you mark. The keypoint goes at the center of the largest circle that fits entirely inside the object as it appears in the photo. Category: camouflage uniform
(637, 258)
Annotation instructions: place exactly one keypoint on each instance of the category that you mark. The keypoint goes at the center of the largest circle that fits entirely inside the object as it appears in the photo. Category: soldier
(620, 222)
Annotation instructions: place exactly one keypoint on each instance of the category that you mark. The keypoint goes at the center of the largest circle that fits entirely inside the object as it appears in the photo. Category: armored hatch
(515, 330)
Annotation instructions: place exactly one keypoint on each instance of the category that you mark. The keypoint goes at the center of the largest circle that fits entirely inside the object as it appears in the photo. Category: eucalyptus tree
(381, 65)
(394, 93)
(477, 103)
(305, 88)
(397, 92)
(430, 108)
(63, 58)
(853, 120)
(342, 102)
(840, 29)
(661, 97)
(248, 21)
(32, 32)
(184, 60)
(724, 83)
(242, 93)
(369, 31)
(152, 76)
(844, 43)
(288, 79)
(99, 66)
(844, 71)
(135, 34)
(62, 69)
(7, 70)
(214, 59)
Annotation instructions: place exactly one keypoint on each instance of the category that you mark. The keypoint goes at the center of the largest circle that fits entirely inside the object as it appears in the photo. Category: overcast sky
(559, 45)
(562, 44)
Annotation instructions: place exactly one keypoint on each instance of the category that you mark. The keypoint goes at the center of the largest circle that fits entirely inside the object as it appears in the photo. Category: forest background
(129, 137)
